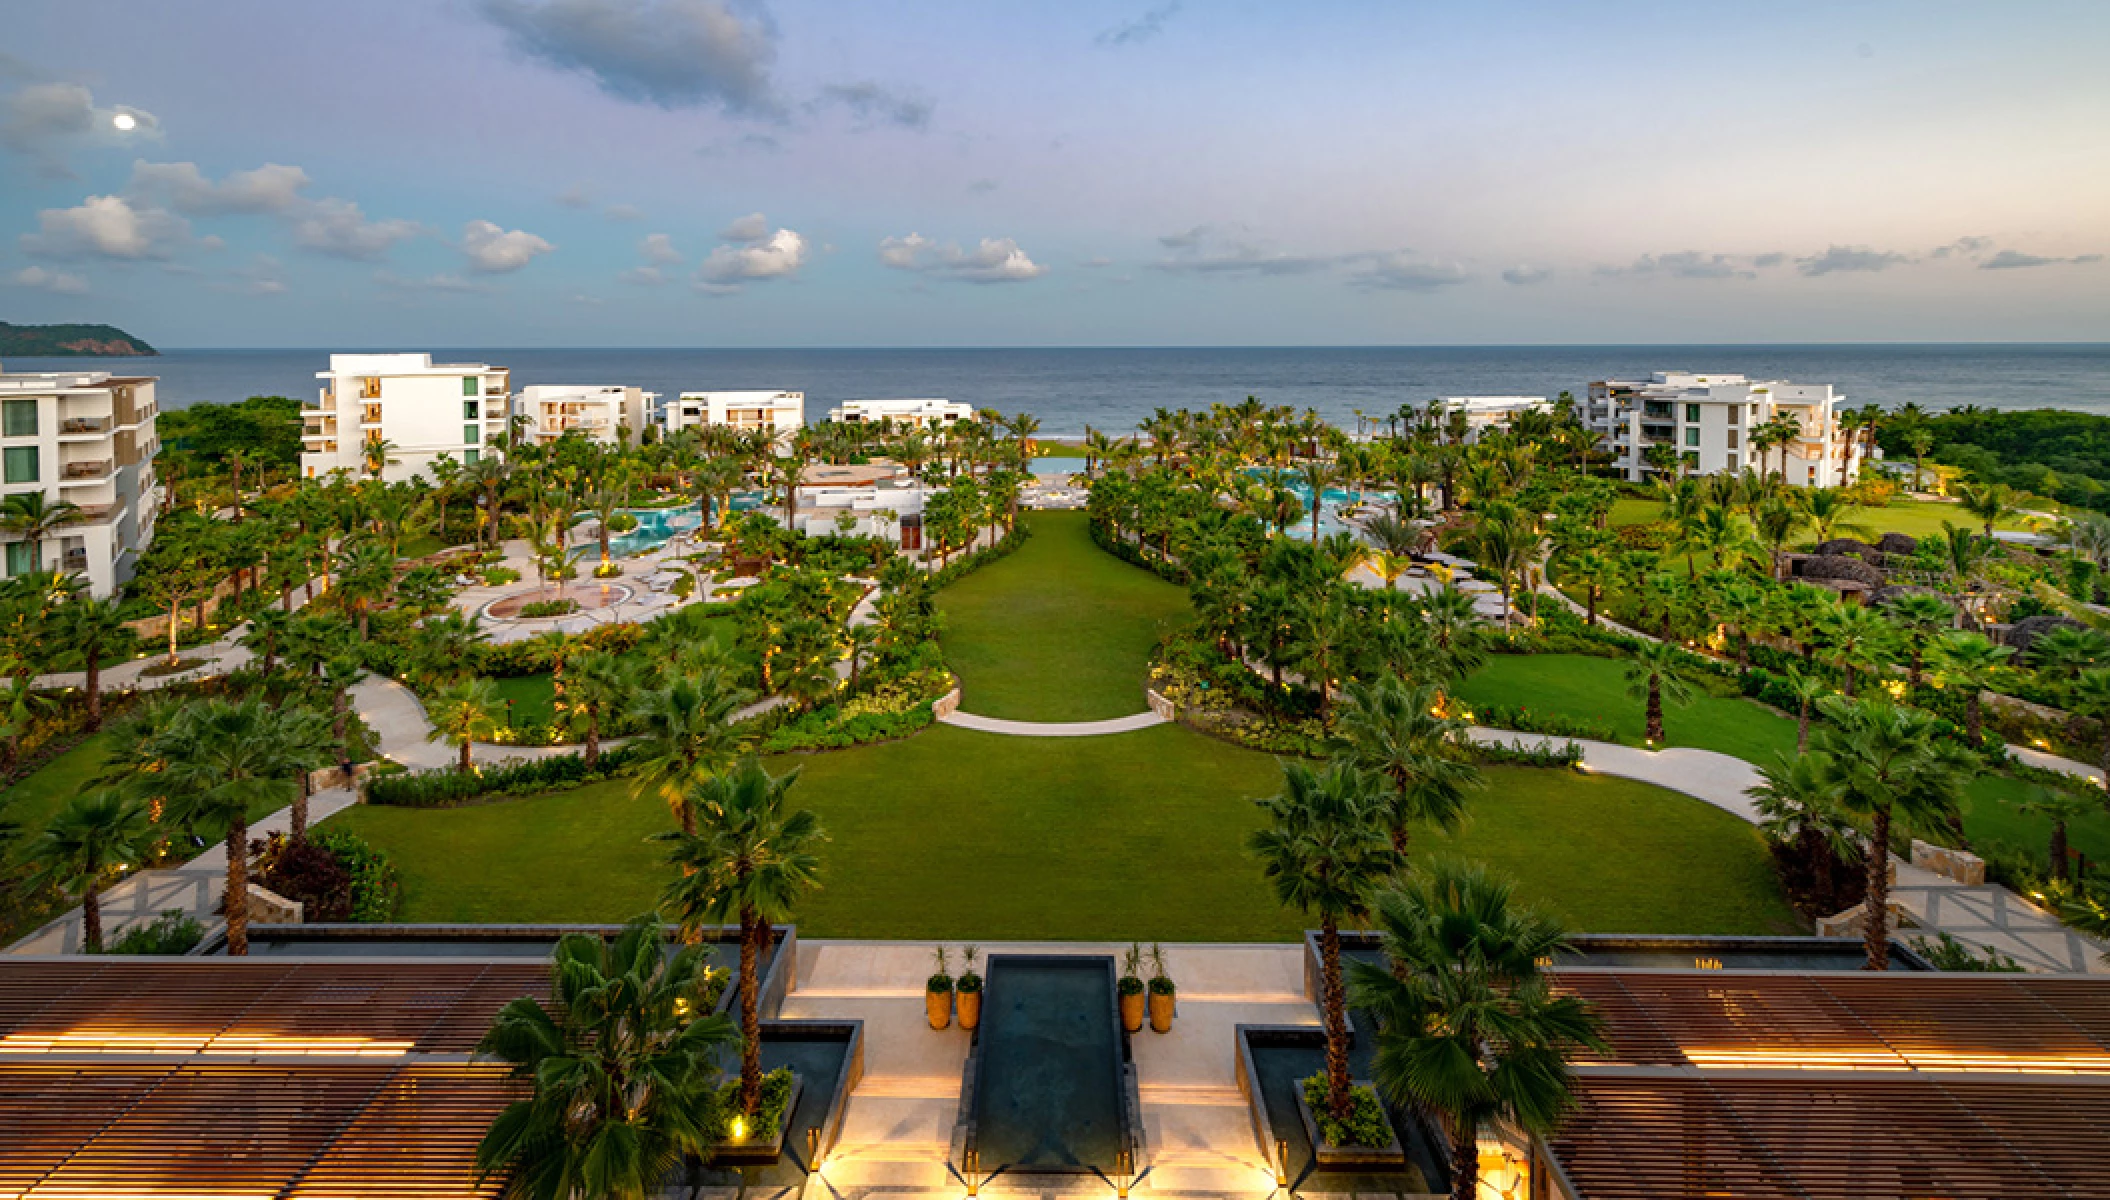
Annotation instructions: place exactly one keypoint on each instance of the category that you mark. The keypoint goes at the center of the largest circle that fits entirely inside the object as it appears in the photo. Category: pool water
(1331, 500)
(1049, 1079)
(654, 527)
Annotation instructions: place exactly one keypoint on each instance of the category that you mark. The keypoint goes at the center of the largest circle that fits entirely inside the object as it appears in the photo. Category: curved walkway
(1143, 720)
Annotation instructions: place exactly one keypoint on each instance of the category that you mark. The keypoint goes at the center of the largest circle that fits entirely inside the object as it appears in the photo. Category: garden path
(1142, 720)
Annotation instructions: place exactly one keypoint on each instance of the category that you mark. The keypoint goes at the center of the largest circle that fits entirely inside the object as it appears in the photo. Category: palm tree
(1807, 689)
(620, 1070)
(2061, 806)
(1972, 662)
(1920, 618)
(463, 713)
(1827, 510)
(220, 761)
(1881, 761)
(1508, 548)
(1323, 851)
(1468, 1024)
(1405, 736)
(1317, 477)
(595, 686)
(2091, 698)
(1795, 808)
(91, 627)
(33, 519)
(2065, 652)
(751, 859)
(684, 736)
(1991, 503)
(1859, 638)
(93, 835)
(1652, 676)
(364, 575)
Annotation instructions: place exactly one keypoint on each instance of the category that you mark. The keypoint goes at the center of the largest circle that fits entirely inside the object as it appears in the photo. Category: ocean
(1113, 389)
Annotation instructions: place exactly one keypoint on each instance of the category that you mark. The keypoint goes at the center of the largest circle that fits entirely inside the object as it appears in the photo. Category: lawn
(1140, 835)
(533, 696)
(32, 802)
(1992, 815)
(1583, 687)
(1915, 518)
(1059, 631)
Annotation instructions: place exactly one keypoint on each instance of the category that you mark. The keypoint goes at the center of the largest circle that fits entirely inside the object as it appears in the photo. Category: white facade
(1709, 418)
(1485, 412)
(86, 438)
(781, 413)
(599, 413)
(914, 414)
(425, 409)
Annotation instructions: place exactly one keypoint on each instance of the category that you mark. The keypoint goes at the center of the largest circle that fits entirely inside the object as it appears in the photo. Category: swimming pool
(654, 527)
(1050, 1070)
(1331, 500)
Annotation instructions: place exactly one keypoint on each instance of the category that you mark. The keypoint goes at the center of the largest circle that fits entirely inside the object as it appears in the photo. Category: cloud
(623, 212)
(746, 143)
(1096, 262)
(993, 260)
(671, 53)
(747, 230)
(1849, 258)
(875, 104)
(1400, 272)
(106, 227)
(41, 121)
(271, 188)
(492, 250)
(2011, 260)
(1772, 258)
(578, 195)
(1202, 250)
(260, 278)
(443, 283)
(1964, 247)
(982, 187)
(1184, 241)
(728, 267)
(337, 228)
(1524, 275)
(1141, 29)
(658, 250)
(61, 282)
(1687, 264)
(643, 276)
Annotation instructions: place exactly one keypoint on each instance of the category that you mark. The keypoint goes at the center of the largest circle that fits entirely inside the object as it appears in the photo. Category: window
(21, 417)
(1732, 464)
(468, 385)
(473, 434)
(1692, 436)
(21, 558)
(1692, 412)
(1733, 413)
(469, 457)
(21, 464)
(1732, 439)
(472, 410)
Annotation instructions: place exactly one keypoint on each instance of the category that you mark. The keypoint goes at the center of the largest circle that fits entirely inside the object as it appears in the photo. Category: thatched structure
(1898, 543)
(2023, 633)
(1839, 546)
(1838, 566)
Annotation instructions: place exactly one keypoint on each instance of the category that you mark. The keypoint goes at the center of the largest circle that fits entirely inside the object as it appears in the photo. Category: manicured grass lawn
(1583, 687)
(429, 543)
(959, 834)
(1059, 631)
(32, 802)
(1915, 518)
(533, 696)
(1992, 815)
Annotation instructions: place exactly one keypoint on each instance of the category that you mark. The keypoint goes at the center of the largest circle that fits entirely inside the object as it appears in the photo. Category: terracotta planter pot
(970, 1009)
(1132, 1013)
(938, 1007)
(1161, 1012)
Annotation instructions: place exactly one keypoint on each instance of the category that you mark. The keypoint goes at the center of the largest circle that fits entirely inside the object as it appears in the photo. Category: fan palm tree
(685, 736)
(1971, 662)
(595, 687)
(1468, 1024)
(2065, 652)
(751, 858)
(1991, 503)
(33, 519)
(1508, 548)
(2091, 698)
(1880, 762)
(86, 840)
(1324, 851)
(220, 761)
(1652, 677)
(1795, 808)
(620, 1068)
(1405, 735)
(1828, 513)
(310, 742)
(1807, 689)
(1920, 618)
(1860, 639)
(463, 713)
(2061, 806)
(92, 628)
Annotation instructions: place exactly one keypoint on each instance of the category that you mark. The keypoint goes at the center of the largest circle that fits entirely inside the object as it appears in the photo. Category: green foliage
(1945, 953)
(174, 932)
(1521, 718)
(1366, 1124)
(61, 341)
(377, 895)
(446, 788)
(500, 576)
(2051, 452)
(549, 608)
(769, 1114)
(202, 435)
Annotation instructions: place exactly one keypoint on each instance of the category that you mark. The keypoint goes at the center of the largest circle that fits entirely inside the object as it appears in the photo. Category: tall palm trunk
(2058, 852)
(1655, 709)
(299, 832)
(1802, 728)
(1971, 721)
(593, 737)
(1875, 930)
(91, 919)
(95, 687)
(1465, 1158)
(236, 901)
(466, 764)
(1333, 1001)
(754, 934)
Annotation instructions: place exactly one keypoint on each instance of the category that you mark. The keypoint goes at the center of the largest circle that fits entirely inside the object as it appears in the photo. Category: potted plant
(969, 991)
(937, 993)
(1130, 989)
(1162, 992)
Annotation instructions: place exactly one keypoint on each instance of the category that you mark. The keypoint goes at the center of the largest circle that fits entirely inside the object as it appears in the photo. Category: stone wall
(945, 705)
(267, 907)
(1964, 868)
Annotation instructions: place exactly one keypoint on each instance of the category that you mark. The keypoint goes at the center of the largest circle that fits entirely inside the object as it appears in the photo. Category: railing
(75, 560)
(95, 512)
(85, 425)
(86, 470)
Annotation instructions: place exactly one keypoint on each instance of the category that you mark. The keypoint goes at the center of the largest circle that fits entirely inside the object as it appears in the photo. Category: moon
(125, 122)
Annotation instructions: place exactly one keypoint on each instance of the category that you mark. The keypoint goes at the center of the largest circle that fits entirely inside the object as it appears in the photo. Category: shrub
(308, 873)
(1945, 953)
(1366, 1124)
(377, 895)
(447, 788)
(1520, 717)
(500, 576)
(174, 932)
(1517, 754)
(769, 1113)
(549, 608)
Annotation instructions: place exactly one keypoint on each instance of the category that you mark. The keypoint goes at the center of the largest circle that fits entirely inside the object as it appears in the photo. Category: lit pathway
(1986, 915)
(2033, 757)
(1142, 720)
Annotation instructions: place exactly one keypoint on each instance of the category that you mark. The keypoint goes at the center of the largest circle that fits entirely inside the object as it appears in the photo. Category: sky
(412, 173)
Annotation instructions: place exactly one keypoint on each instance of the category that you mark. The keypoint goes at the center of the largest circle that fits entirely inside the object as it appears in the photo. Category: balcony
(94, 513)
(78, 472)
(74, 560)
(84, 426)
(370, 415)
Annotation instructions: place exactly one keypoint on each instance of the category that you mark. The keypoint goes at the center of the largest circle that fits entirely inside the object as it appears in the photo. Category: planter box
(1392, 1154)
(749, 1152)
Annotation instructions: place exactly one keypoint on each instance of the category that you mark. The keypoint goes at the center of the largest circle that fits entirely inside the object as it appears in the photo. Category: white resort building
(781, 413)
(85, 438)
(421, 408)
(1485, 412)
(913, 414)
(1709, 419)
(602, 414)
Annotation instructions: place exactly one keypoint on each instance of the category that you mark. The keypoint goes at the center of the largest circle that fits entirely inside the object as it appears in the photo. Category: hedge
(447, 788)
